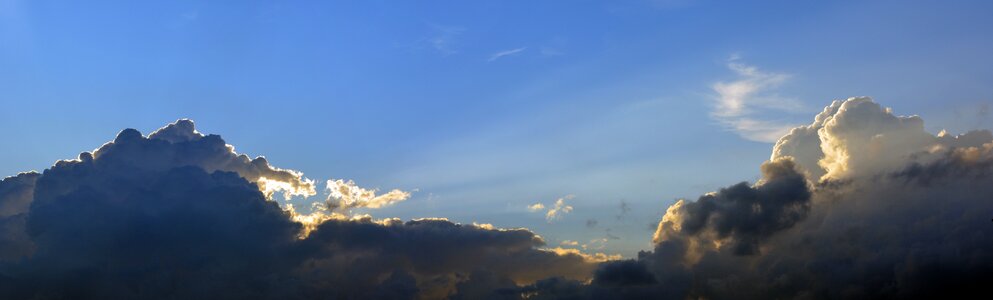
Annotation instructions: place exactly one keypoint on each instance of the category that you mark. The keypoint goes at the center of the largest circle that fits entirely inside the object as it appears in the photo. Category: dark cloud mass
(917, 227)
(179, 215)
(859, 204)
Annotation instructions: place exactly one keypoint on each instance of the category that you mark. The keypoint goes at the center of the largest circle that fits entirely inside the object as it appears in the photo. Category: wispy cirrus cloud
(740, 103)
(504, 53)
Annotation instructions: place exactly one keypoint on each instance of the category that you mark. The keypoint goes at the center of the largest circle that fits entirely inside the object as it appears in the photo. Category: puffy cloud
(740, 216)
(346, 195)
(893, 212)
(861, 203)
(179, 214)
(536, 207)
(559, 210)
(858, 137)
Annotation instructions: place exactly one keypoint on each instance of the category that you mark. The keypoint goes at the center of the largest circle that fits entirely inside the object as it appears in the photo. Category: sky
(481, 109)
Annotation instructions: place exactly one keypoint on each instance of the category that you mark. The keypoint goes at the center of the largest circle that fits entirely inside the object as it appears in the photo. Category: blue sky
(485, 107)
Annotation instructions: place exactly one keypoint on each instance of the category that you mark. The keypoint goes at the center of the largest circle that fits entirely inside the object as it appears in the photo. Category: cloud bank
(861, 203)
(178, 214)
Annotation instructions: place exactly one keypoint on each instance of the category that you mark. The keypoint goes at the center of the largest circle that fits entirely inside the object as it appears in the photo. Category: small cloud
(559, 210)
(345, 195)
(625, 208)
(570, 243)
(536, 207)
(591, 223)
(510, 52)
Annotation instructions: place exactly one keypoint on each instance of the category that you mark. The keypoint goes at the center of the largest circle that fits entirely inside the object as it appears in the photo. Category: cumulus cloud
(556, 212)
(560, 209)
(345, 195)
(739, 102)
(861, 203)
(858, 137)
(179, 214)
(894, 213)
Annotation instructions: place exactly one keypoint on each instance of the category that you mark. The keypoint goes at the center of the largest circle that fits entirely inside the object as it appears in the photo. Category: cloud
(560, 209)
(591, 223)
(861, 203)
(504, 53)
(739, 102)
(898, 213)
(557, 211)
(178, 214)
(625, 209)
(346, 195)
(858, 137)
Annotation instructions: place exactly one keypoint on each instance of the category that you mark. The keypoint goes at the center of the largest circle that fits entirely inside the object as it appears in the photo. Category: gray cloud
(909, 228)
(178, 214)
(859, 204)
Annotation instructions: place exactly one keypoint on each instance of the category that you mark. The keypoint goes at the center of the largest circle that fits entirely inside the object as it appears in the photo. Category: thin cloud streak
(739, 101)
(510, 52)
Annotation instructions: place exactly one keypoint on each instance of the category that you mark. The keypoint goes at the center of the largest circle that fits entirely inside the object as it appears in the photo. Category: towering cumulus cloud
(180, 215)
(861, 203)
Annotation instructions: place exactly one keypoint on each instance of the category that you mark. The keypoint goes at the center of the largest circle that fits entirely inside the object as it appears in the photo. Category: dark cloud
(859, 204)
(920, 230)
(742, 215)
(591, 223)
(624, 208)
(16, 194)
(179, 215)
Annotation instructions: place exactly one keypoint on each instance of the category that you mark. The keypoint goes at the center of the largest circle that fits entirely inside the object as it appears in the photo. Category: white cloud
(510, 52)
(345, 194)
(536, 207)
(559, 210)
(739, 101)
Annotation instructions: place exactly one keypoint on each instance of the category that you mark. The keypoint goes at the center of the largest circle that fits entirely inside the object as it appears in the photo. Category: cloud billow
(861, 203)
(178, 214)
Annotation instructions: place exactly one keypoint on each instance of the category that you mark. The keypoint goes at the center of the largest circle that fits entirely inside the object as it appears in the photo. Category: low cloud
(179, 214)
(861, 203)
(892, 212)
